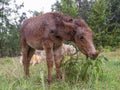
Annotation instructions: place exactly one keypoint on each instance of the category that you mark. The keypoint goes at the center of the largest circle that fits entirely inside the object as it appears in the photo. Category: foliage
(9, 28)
(100, 24)
(115, 13)
(12, 76)
(66, 6)
(87, 70)
(98, 21)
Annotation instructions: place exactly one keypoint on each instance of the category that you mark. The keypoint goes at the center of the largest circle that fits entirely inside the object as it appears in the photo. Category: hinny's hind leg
(27, 54)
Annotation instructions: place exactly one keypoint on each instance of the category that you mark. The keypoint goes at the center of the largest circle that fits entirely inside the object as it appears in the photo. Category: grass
(12, 76)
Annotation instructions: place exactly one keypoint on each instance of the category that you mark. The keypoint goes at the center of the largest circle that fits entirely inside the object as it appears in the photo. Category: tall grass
(81, 74)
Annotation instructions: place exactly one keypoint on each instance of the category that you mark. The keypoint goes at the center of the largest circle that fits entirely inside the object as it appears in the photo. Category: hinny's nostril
(93, 55)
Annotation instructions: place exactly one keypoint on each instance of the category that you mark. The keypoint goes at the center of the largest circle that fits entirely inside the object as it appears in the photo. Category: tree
(115, 10)
(56, 6)
(101, 20)
(3, 23)
(97, 20)
(83, 8)
(9, 33)
(35, 13)
(68, 7)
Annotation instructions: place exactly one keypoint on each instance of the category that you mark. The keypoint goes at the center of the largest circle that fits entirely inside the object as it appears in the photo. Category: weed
(87, 70)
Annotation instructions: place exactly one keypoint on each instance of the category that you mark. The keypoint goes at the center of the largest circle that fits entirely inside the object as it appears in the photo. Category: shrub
(87, 70)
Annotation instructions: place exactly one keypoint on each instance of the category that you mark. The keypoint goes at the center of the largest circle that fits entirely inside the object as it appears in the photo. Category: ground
(12, 76)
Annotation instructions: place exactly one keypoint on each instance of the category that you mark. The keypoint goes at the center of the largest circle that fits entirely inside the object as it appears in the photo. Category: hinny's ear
(70, 25)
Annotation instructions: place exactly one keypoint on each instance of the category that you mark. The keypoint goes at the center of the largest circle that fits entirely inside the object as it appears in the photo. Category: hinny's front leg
(58, 65)
(58, 59)
(49, 58)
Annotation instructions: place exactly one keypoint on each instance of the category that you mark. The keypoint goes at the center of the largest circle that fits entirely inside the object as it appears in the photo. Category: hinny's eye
(81, 37)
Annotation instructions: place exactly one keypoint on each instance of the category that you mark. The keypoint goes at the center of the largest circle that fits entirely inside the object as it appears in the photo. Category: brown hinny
(48, 31)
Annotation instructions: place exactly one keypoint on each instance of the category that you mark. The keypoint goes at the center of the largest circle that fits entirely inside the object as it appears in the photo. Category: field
(12, 76)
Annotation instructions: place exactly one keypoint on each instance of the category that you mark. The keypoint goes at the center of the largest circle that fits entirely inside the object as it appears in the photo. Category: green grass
(12, 76)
